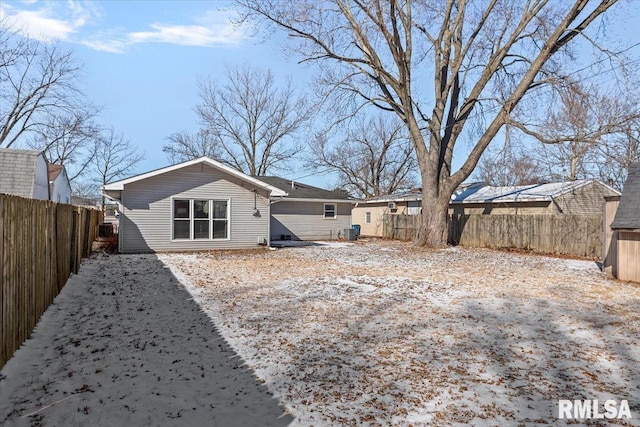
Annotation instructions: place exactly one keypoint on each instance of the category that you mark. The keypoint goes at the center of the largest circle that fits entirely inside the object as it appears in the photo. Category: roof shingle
(298, 190)
(628, 214)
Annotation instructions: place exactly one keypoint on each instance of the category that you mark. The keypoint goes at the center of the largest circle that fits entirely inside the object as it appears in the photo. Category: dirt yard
(380, 333)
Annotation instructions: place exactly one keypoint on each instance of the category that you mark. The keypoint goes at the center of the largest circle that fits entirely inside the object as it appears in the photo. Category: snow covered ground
(381, 333)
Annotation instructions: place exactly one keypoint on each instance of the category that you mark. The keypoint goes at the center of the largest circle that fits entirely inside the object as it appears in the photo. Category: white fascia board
(112, 194)
(119, 185)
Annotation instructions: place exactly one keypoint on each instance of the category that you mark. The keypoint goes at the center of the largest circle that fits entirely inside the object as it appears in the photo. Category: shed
(24, 173)
(626, 229)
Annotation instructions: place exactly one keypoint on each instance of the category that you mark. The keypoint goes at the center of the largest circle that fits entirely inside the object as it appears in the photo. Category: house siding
(146, 215)
(586, 200)
(24, 173)
(60, 189)
(628, 267)
(303, 220)
(374, 228)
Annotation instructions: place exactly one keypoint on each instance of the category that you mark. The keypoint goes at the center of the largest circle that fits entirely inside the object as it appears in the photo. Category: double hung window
(198, 219)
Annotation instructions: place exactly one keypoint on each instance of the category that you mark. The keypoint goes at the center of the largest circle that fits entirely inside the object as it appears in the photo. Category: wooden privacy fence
(41, 244)
(576, 235)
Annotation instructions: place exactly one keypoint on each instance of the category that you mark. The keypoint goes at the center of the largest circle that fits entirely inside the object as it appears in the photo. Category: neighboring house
(583, 197)
(624, 248)
(203, 204)
(24, 173)
(59, 187)
(368, 213)
(307, 212)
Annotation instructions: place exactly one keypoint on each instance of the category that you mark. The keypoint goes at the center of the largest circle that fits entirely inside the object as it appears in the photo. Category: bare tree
(509, 166)
(252, 120)
(484, 58)
(37, 80)
(115, 158)
(576, 134)
(70, 139)
(617, 155)
(183, 146)
(374, 157)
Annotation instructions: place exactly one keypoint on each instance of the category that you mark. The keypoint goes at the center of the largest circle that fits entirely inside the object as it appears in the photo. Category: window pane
(329, 211)
(219, 229)
(368, 217)
(200, 229)
(201, 209)
(181, 209)
(181, 229)
(219, 209)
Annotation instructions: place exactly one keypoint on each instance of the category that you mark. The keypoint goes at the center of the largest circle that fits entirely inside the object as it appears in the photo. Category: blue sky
(143, 59)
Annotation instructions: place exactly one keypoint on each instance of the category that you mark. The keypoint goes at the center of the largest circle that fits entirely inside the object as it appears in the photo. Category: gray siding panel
(145, 223)
(304, 220)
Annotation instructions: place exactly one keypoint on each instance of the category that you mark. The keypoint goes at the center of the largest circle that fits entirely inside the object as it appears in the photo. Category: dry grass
(383, 333)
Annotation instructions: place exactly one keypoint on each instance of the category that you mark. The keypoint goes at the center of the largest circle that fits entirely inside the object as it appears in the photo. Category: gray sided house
(24, 173)
(307, 212)
(196, 205)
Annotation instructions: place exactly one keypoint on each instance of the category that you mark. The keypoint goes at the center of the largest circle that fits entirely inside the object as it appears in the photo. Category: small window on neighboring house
(329, 211)
(367, 217)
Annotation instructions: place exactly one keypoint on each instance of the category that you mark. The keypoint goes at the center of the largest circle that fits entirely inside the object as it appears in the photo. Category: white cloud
(65, 21)
(49, 22)
(211, 29)
(186, 35)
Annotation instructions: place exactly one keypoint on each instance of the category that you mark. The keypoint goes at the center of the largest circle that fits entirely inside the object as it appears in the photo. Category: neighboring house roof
(112, 189)
(54, 171)
(407, 196)
(298, 191)
(18, 171)
(478, 192)
(628, 213)
(520, 193)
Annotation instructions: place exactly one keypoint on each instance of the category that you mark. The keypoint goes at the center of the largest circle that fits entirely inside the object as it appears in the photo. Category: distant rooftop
(519, 193)
(478, 192)
(298, 190)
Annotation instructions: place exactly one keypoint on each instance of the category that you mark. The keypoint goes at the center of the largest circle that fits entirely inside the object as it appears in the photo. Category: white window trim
(335, 211)
(367, 217)
(191, 220)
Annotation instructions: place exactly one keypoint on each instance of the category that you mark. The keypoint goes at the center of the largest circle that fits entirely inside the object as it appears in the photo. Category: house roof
(407, 196)
(520, 193)
(112, 189)
(628, 213)
(299, 191)
(17, 171)
(54, 171)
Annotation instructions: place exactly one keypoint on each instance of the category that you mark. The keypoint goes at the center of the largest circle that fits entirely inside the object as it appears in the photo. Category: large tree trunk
(434, 225)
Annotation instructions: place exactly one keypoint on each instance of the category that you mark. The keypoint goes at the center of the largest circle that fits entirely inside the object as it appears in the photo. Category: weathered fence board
(577, 235)
(41, 243)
